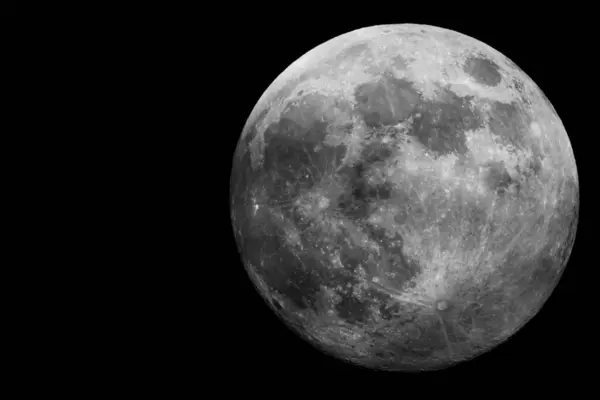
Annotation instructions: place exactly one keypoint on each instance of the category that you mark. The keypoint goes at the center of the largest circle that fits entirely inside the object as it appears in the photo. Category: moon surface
(404, 197)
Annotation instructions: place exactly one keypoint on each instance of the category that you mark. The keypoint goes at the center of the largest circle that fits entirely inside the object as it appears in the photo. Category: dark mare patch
(498, 179)
(440, 125)
(509, 121)
(296, 157)
(352, 309)
(437, 124)
(483, 70)
(359, 192)
(387, 101)
(295, 277)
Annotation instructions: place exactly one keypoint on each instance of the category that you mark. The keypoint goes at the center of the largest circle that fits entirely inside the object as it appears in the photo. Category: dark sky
(8, 8)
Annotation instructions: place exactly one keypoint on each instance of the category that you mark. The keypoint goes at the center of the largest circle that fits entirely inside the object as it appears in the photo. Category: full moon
(404, 197)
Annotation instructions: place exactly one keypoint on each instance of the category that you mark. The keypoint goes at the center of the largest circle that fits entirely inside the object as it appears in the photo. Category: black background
(174, 91)
(552, 345)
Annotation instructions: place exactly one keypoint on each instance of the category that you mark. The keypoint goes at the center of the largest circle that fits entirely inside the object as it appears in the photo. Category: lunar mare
(404, 196)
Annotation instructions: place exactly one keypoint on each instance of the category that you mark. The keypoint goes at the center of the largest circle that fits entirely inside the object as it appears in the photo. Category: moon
(404, 197)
